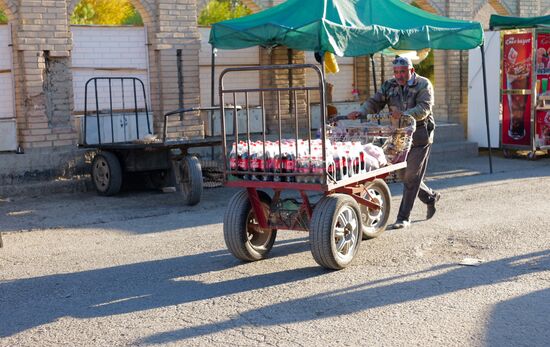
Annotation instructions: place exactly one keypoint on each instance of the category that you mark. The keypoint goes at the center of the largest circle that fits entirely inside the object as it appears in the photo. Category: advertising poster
(543, 54)
(542, 125)
(516, 84)
(543, 128)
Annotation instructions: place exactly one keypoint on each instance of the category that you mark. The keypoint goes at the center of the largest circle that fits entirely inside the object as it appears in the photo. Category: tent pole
(373, 72)
(211, 113)
(323, 97)
(486, 107)
(212, 72)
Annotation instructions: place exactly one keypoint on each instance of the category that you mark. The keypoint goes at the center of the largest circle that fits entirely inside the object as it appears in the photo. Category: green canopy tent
(348, 28)
(507, 22)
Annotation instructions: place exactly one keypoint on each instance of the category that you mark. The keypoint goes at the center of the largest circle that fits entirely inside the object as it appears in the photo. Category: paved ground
(140, 269)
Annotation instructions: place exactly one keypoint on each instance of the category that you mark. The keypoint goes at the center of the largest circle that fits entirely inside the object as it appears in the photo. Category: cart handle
(408, 120)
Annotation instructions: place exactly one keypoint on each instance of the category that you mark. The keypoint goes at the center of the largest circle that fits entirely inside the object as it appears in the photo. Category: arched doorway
(8, 128)
(110, 39)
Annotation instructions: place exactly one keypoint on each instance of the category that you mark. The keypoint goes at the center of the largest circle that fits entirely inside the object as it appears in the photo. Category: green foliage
(3, 18)
(426, 67)
(218, 10)
(134, 19)
(105, 12)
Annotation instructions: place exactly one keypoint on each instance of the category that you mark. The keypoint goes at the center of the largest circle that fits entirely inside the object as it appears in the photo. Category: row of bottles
(343, 160)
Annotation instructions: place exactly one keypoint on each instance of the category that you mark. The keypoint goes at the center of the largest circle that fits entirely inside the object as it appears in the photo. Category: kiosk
(524, 90)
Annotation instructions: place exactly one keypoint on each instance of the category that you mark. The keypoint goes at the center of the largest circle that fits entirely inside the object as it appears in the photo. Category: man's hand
(354, 115)
(396, 114)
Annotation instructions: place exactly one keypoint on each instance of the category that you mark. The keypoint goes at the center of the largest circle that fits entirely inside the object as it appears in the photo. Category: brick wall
(6, 79)
(42, 61)
(109, 52)
(224, 59)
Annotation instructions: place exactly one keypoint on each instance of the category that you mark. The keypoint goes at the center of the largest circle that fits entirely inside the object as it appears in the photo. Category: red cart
(355, 202)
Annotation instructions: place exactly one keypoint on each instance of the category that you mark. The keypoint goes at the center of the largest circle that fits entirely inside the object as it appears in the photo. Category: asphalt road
(140, 269)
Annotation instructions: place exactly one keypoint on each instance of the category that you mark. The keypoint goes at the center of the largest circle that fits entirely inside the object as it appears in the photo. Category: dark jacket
(415, 99)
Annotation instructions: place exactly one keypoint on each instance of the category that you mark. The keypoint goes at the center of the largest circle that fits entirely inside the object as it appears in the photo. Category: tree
(425, 67)
(105, 12)
(218, 10)
(3, 18)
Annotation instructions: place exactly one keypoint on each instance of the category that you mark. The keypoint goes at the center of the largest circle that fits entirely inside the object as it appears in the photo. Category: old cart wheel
(335, 231)
(243, 236)
(375, 221)
(189, 179)
(106, 174)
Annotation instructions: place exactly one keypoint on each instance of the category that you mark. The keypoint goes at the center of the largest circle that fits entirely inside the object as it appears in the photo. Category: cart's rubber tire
(507, 153)
(532, 155)
(106, 173)
(188, 175)
(241, 232)
(375, 222)
(335, 231)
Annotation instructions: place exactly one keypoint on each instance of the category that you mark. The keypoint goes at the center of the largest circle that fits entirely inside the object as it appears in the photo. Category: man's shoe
(431, 206)
(401, 224)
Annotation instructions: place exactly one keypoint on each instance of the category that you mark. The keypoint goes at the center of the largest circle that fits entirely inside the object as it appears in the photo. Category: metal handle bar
(404, 122)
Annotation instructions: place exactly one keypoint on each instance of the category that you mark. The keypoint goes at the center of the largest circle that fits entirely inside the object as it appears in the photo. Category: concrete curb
(57, 186)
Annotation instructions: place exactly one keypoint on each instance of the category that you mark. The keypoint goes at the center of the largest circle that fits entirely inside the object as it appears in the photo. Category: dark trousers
(413, 175)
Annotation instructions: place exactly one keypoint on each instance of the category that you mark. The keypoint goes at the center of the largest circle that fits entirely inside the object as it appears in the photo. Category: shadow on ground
(391, 291)
(31, 302)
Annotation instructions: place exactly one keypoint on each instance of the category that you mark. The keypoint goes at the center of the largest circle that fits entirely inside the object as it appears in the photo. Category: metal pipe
(136, 107)
(295, 99)
(85, 111)
(266, 168)
(123, 106)
(180, 80)
(247, 115)
(212, 80)
(146, 108)
(308, 111)
(111, 106)
(280, 131)
(212, 75)
(235, 119)
(486, 107)
(97, 112)
(224, 138)
(323, 120)
(373, 72)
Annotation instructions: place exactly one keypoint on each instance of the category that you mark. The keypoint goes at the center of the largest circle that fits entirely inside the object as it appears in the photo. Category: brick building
(41, 47)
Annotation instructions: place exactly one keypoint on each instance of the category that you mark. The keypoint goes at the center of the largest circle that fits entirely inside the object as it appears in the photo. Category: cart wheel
(189, 179)
(335, 231)
(106, 174)
(243, 236)
(375, 221)
(532, 155)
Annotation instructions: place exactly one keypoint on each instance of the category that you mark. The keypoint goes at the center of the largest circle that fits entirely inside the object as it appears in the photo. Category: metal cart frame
(350, 209)
(166, 161)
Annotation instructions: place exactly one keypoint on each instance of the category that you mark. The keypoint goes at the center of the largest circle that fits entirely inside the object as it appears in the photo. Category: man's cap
(402, 61)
